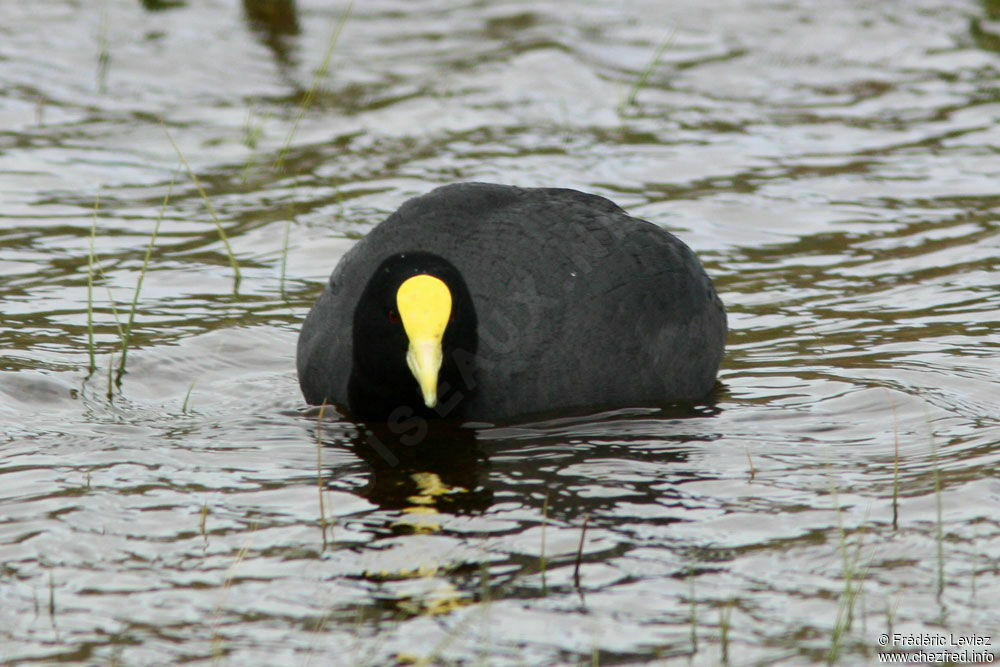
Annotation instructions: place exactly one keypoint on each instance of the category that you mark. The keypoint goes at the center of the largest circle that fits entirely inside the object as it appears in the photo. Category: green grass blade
(541, 559)
(96, 262)
(90, 288)
(187, 398)
(319, 471)
(307, 99)
(211, 210)
(127, 338)
(284, 257)
(641, 82)
(939, 527)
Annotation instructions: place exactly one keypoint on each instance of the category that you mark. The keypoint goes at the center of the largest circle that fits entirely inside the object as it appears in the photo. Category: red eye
(393, 315)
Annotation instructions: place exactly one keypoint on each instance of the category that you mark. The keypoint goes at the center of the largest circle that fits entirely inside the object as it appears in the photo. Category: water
(835, 166)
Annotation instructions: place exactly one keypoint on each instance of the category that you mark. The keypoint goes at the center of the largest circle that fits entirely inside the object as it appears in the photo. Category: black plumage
(562, 301)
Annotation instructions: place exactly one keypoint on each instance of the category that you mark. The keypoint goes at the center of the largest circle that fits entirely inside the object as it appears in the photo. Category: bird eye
(393, 315)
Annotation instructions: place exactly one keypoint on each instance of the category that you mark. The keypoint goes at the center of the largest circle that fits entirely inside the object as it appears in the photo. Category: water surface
(835, 165)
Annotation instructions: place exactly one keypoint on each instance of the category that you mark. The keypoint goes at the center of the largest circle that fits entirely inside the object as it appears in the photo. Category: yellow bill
(424, 304)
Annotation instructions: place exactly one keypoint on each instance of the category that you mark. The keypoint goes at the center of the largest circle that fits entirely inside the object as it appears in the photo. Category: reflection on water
(275, 22)
(456, 468)
(446, 471)
(834, 166)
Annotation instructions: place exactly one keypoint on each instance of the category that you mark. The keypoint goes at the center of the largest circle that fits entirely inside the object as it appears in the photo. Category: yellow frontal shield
(424, 304)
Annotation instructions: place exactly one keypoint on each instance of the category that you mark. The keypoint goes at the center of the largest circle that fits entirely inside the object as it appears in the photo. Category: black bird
(485, 302)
